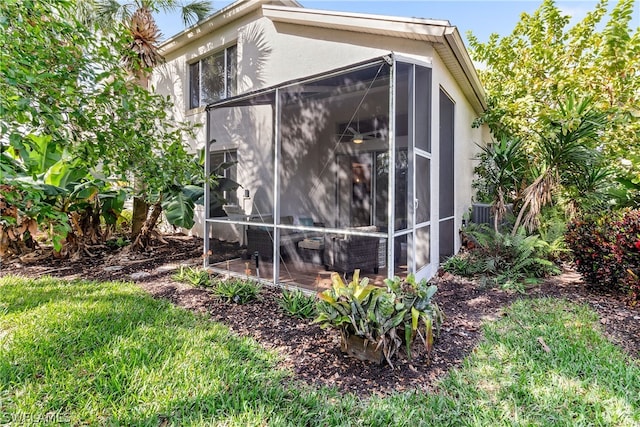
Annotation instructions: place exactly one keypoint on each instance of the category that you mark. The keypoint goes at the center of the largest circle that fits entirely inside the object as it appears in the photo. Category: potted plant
(373, 321)
(423, 314)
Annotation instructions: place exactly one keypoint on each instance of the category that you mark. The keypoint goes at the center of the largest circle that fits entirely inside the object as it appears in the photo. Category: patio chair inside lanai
(320, 175)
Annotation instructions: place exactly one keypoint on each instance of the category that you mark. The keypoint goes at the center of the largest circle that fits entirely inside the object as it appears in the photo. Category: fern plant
(464, 265)
(510, 261)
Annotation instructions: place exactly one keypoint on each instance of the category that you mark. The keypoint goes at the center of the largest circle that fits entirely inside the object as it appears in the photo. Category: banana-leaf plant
(380, 315)
(55, 193)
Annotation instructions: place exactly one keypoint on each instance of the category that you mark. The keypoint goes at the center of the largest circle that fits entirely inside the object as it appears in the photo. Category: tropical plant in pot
(422, 313)
(373, 320)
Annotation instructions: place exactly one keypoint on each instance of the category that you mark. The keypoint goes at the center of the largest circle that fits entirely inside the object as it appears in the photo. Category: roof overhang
(219, 19)
(444, 37)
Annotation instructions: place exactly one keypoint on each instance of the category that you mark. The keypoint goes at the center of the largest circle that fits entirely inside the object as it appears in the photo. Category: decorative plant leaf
(179, 210)
(408, 332)
(193, 192)
(376, 314)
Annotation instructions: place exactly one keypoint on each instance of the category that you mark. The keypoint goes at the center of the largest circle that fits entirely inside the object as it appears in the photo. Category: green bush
(606, 250)
(296, 303)
(502, 259)
(123, 223)
(239, 291)
(552, 230)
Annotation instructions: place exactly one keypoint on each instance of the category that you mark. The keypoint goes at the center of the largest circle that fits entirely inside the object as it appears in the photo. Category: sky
(481, 17)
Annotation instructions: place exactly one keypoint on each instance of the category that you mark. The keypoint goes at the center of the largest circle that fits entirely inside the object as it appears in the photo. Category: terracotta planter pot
(362, 349)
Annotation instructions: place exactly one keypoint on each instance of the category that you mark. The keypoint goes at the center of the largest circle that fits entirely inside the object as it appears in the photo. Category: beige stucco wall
(269, 54)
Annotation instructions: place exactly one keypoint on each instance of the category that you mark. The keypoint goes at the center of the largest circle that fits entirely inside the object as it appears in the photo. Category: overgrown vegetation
(533, 71)
(296, 303)
(75, 126)
(108, 354)
(139, 56)
(565, 119)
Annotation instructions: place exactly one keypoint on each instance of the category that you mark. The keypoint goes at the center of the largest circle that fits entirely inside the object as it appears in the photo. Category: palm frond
(195, 11)
(109, 12)
(144, 46)
(537, 195)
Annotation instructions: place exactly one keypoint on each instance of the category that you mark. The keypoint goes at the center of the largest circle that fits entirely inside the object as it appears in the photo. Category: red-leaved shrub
(606, 250)
(628, 252)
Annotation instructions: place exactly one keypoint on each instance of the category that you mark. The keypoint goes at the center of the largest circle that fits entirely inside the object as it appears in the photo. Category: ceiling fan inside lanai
(361, 131)
(358, 137)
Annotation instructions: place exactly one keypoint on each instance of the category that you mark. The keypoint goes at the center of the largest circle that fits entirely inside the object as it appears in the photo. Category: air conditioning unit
(481, 213)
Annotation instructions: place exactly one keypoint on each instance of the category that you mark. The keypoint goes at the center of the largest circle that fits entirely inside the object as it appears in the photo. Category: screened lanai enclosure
(334, 174)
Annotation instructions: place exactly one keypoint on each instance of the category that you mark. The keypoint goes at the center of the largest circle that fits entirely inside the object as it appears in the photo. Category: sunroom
(335, 173)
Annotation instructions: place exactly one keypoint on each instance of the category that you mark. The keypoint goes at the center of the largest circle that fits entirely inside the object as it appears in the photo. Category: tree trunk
(519, 218)
(144, 237)
(140, 207)
(139, 217)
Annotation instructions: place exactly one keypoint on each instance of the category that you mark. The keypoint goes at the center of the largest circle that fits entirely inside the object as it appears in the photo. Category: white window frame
(228, 91)
(229, 155)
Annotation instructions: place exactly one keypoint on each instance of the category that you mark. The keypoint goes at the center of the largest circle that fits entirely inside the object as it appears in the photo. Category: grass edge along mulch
(108, 354)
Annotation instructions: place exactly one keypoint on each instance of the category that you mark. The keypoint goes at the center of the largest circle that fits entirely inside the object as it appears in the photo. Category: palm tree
(140, 58)
(503, 163)
(566, 148)
(137, 18)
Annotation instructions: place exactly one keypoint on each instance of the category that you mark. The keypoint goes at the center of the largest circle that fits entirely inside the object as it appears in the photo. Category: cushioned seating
(348, 253)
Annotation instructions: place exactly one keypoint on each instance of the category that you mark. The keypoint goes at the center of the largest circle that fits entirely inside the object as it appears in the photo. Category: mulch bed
(313, 354)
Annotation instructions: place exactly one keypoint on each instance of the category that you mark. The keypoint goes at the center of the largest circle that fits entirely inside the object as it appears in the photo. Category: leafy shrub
(381, 316)
(594, 250)
(552, 231)
(297, 304)
(464, 264)
(606, 250)
(628, 252)
(195, 276)
(505, 260)
(123, 223)
(239, 291)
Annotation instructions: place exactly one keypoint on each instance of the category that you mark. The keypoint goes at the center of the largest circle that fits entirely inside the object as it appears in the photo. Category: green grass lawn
(108, 354)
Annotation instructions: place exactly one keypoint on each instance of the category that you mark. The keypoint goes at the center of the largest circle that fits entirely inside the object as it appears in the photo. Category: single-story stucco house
(350, 136)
